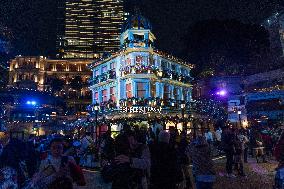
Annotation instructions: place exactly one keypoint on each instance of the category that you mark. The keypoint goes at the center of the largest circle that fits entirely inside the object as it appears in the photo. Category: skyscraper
(108, 22)
(91, 27)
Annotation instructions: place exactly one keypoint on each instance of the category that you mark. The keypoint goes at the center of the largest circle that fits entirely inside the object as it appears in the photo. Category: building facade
(91, 28)
(56, 76)
(138, 79)
(264, 97)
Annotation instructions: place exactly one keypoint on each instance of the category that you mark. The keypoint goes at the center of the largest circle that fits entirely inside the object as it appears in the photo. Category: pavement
(259, 176)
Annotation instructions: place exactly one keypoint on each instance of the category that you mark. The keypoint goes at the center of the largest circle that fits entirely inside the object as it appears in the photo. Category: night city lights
(149, 94)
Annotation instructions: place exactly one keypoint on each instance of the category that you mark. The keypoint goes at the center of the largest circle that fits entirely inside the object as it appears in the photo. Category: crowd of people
(138, 158)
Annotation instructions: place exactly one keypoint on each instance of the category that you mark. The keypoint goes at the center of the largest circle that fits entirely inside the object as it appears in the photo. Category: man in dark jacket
(228, 147)
(164, 166)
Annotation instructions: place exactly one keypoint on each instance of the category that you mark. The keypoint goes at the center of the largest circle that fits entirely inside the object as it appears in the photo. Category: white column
(162, 90)
(118, 92)
(157, 89)
(133, 88)
(172, 91)
(100, 96)
(148, 90)
(108, 92)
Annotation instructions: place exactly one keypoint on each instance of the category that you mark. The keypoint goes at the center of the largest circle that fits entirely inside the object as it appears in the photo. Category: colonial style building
(139, 79)
(56, 76)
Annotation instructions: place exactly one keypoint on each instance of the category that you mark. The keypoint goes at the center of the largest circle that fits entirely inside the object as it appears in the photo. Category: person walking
(203, 167)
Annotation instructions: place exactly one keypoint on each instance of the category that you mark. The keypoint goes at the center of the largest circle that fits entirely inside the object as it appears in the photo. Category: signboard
(140, 109)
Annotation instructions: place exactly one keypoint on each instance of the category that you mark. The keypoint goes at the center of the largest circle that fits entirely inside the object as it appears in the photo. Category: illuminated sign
(140, 109)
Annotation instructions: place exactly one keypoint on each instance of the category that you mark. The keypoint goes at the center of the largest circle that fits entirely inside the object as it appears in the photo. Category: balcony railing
(169, 74)
(102, 78)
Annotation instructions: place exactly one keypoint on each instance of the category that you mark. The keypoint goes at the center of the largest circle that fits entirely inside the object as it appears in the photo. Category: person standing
(139, 159)
(244, 139)
(218, 135)
(164, 167)
(203, 167)
(239, 153)
(57, 170)
(229, 149)
(88, 150)
(209, 138)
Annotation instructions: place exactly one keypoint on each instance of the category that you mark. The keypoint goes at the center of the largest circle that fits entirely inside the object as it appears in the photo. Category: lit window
(167, 92)
(112, 94)
(153, 89)
(112, 65)
(128, 90)
(104, 93)
(104, 69)
(96, 72)
(139, 59)
(176, 96)
(141, 89)
(128, 61)
(96, 96)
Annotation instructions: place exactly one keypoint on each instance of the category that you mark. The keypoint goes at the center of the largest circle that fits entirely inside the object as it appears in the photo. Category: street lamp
(239, 113)
(182, 106)
(96, 109)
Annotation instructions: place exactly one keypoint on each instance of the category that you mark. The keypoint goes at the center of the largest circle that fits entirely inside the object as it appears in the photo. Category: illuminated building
(39, 73)
(91, 28)
(138, 79)
(264, 97)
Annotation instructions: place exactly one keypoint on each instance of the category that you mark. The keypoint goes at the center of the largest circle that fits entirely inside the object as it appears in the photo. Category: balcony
(169, 74)
(110, 75)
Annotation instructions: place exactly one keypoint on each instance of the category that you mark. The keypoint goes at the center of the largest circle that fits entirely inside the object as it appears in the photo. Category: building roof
(136, 21)
(129, 50)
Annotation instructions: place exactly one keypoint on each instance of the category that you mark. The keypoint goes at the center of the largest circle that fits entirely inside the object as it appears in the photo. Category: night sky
(33, 22)
(172, 18)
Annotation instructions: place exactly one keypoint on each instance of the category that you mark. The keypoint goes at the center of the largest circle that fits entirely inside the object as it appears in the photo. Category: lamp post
(182, 106)
(96, 109)
(239, 113)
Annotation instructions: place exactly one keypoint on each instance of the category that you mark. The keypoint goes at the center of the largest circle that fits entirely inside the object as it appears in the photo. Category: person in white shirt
(218, 136)
(209, 136)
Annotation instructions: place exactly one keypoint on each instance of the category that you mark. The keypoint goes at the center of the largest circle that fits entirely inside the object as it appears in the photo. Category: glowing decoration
(140, 109)
(221, 92)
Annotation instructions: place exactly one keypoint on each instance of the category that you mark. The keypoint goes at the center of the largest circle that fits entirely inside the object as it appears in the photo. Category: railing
(102, 78)
(169, 74)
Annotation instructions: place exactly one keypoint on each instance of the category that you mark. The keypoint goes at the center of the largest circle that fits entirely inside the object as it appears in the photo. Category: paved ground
(259, 176)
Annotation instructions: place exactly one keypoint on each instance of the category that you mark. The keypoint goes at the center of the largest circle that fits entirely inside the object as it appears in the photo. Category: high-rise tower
(109, 17)
(91, 27)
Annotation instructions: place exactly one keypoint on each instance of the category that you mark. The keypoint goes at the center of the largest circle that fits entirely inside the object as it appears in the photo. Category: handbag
(77, 174)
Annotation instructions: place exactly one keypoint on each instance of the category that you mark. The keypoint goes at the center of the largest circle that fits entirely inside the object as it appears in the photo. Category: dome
(136, 21)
